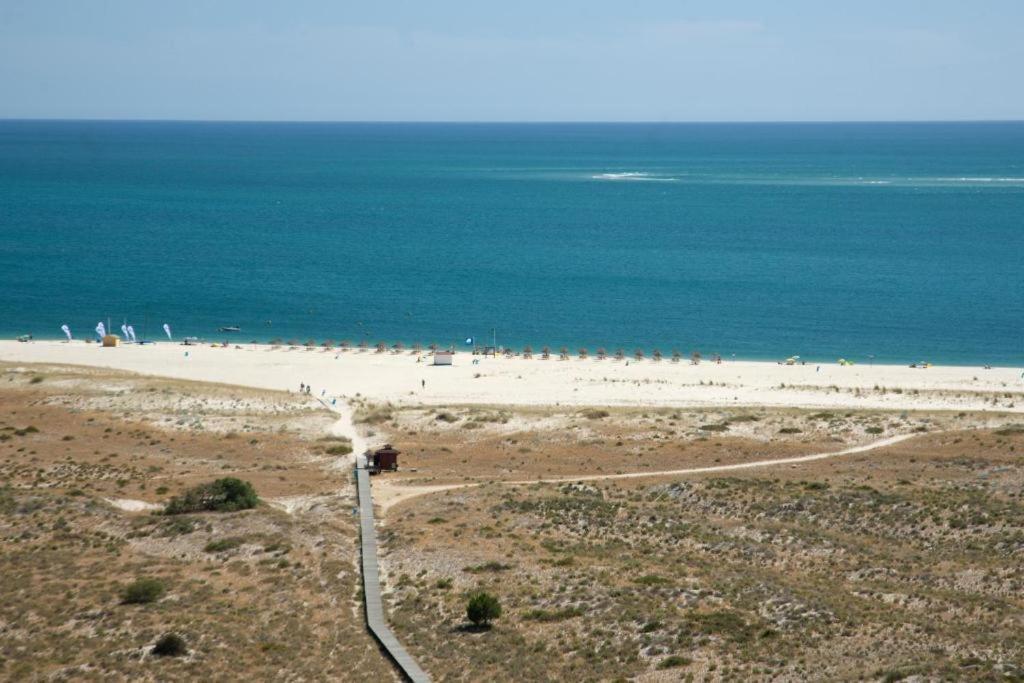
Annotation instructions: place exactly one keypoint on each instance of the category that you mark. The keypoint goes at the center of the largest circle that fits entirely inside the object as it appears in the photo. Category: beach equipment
(167, 331)
(131, 334)
(111, 340)
(101, 330)
(67, 331)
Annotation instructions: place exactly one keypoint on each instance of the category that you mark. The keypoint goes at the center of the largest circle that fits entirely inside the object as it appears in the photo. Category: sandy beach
(400, 379)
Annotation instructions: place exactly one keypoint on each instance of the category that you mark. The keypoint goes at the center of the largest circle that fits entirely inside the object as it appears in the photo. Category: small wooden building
(382, 459)
(443, 357)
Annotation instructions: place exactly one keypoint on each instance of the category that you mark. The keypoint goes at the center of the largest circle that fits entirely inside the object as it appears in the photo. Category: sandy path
(387, 494)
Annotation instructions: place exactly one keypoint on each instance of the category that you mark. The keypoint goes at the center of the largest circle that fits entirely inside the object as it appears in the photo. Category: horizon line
(6, 119)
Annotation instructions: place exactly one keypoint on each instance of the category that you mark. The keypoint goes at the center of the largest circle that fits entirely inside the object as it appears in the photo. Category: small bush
(222, 544)
(340, 449)
(874, 430)
(223, 495)
(142, 591)
(715, 427)
(170, 645)
(36, 380)
(482, 609)
(446, 417)
(674, 661)
(790, 430)
(594, 414)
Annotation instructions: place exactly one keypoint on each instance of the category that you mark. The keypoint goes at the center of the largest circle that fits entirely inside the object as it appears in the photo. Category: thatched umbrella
(362, 344)
(601, 353)
(527, 351)
(619, 354)
(676, 355)
(563, 353)
(329, 344)
(583, 354)
(345, 343)
(656, 355)
(417, 348)
(381, 347)
(545, 353)
(639, 354)
(432, 347)
(398, 346)
(695, 358)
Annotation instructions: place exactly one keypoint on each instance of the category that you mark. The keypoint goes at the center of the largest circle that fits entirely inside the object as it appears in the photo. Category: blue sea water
(903, 242)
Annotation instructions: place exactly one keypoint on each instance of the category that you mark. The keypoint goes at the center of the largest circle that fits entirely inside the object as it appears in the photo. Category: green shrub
(340, 449)
(223, 495)
(874, 430)
(790, 430)
(673, 661)
(594, 414)
(715, 427)
(36, 380)
(170, 645)
(222, 544)
(482, 609)
(142, 591)
(446, 417)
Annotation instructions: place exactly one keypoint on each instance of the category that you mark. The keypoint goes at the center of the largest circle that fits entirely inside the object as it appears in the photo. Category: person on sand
(423, 384)
(302, 387)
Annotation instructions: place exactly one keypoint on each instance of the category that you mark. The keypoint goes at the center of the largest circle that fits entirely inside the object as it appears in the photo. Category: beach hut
(111, 340)
(382, 459)
(443, 357)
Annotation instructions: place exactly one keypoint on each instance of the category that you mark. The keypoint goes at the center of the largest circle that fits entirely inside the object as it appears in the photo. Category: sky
(528, 60)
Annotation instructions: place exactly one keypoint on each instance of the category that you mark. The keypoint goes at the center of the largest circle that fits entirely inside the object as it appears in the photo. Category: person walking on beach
(302, 387)
(423, 384)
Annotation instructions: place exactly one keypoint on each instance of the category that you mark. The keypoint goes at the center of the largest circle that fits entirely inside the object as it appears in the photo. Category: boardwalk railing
(371, 586)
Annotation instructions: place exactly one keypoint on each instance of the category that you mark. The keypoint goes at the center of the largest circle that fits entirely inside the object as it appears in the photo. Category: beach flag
(167, 330)
(131, 333)
(101, 331)
(67, 331)
(469, 341)
(124, 332)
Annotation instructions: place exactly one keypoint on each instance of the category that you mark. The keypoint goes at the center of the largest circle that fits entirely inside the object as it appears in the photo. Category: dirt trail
(387, 494)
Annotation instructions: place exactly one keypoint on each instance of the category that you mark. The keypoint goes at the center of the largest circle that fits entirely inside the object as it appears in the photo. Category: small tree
(482, 609)
(223, 495)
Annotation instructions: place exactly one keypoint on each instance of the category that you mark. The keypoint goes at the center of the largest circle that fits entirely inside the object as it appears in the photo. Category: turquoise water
(900, 241)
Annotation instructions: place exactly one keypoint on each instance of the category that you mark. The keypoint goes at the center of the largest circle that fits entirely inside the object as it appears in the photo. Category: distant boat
(229, 328)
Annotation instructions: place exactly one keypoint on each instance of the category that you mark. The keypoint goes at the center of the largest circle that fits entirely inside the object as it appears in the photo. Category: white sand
(397, 378)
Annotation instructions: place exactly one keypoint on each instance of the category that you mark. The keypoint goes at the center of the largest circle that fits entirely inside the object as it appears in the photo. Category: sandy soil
(399, 378)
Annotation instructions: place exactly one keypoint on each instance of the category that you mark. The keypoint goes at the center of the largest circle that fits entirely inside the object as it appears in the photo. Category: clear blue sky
(527, 60)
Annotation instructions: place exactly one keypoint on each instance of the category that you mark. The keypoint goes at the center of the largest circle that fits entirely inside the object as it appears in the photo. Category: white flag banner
(67, 331)
(101, 330)
(131, 333)
(124, 332)
(167, 330)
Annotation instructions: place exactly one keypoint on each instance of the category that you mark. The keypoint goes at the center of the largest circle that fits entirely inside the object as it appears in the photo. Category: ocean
(887, 242)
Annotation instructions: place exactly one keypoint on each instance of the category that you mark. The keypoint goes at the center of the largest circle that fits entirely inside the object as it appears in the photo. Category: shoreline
(246, 339)
(399, 378)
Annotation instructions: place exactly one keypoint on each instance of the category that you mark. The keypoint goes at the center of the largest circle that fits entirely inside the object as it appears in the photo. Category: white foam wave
(634, 175)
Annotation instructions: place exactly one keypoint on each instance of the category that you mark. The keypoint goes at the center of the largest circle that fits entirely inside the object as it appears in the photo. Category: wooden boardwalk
(371, 586)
